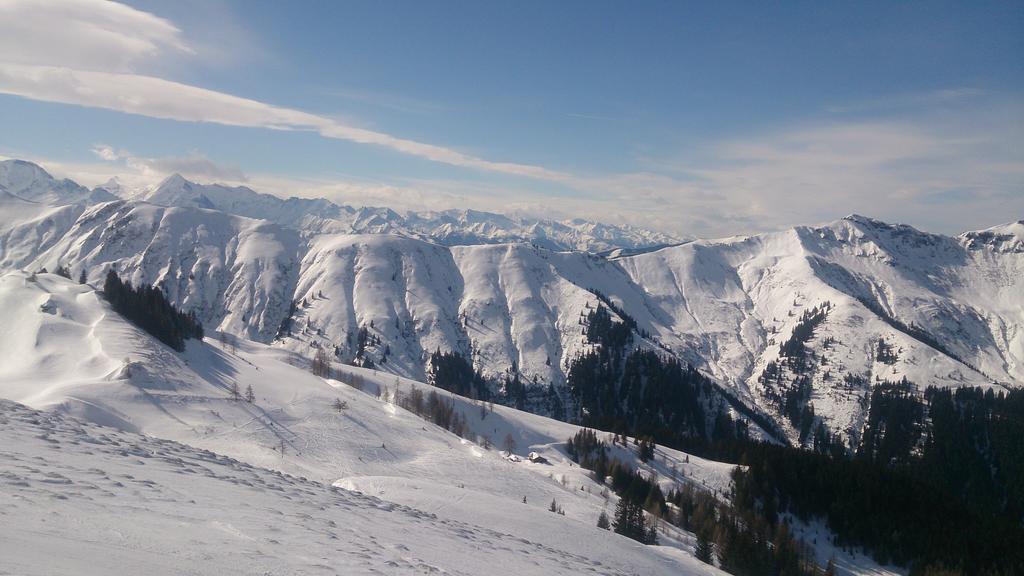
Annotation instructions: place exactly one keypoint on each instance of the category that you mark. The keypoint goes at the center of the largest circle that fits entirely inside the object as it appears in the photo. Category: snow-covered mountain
(448, 227)
(30, 182)
(944, 311)
(949, 308)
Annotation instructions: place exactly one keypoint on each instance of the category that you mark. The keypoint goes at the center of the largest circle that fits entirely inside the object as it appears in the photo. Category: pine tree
(82, 278)
(629, 520)
(235, 392)
(703, 549)
(250, 396)
(646, 449)
(652, 534)
(554, 506)
(340, 405)
(602, 521)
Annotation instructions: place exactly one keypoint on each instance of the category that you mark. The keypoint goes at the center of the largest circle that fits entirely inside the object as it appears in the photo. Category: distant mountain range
(448, 227)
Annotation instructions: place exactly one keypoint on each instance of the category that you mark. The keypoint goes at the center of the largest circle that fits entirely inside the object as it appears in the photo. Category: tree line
(149, 309)
(631, 390)
(742, 541)
(936, 484)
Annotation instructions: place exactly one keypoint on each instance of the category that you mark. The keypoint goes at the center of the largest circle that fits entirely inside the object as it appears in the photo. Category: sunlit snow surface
(232, 487)
(80, 496)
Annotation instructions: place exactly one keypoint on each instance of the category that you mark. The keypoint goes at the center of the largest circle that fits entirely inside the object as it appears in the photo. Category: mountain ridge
(947, 305)
(448, 227)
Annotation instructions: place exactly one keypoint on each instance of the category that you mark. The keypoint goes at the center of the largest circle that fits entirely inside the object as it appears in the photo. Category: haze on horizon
(696, 120)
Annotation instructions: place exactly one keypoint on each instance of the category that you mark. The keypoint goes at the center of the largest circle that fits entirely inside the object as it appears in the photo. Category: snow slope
(499, 304)
(28, 229)
(65, 351)
(76, 497)
(246, 487)
(723, 305)
(30, 182)
(233, 272)
(732, 302)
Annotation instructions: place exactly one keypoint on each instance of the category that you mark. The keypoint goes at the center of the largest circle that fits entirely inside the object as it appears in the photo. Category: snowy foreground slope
(949, 308)
(78, 495)
(77, 498)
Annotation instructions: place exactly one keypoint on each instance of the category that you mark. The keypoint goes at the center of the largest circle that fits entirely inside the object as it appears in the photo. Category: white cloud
(944, 172)
(107, 153)
(84, 34)
(137, 172)
(194, 166)
(159, 98)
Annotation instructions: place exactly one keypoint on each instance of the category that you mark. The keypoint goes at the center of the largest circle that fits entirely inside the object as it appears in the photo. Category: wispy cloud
(84, 34)
(956, 174)
(946, 171)
(138, 173)
(159, 98)
(100, 30)
(194, 166)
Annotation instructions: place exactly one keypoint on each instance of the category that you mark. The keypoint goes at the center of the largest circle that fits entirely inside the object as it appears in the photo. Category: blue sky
(704, 119)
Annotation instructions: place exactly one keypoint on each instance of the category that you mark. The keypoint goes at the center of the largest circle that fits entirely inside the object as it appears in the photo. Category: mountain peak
(19, 174)
(866, 223)
(30, 181)
(175, 190)
(25, 165)
(866, 220)
(175, 180)
(1007, 238)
